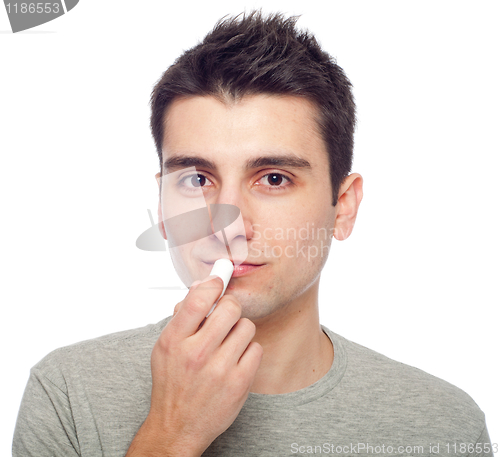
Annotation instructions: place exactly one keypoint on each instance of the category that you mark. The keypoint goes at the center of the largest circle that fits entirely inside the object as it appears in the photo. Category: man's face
(264, 155)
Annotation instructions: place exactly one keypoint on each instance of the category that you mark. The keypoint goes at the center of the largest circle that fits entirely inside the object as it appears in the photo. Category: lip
(241, 270)
(245, 269)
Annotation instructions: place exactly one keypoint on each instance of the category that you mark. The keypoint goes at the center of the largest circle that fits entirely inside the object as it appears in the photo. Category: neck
(297, 352)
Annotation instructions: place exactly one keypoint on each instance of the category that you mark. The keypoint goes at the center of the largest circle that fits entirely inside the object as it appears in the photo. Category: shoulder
(379, 370)
(97, 357)
(403, 396)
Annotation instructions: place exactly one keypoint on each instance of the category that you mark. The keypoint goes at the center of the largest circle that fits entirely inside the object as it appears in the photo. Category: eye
(276, 181)
(193, 182)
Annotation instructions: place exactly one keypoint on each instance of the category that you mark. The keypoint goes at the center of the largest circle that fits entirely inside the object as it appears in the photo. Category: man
(266, 120)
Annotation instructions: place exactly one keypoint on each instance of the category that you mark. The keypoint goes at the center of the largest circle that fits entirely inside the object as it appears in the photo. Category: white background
(417, 280)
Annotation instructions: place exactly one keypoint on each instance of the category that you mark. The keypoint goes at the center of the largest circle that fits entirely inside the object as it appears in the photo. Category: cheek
(180, 260)
(187, 263)
(311, 240)
(300, 232)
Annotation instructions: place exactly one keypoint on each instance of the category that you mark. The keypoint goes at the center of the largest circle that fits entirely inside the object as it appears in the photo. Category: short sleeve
(483, 445)
(44, 427)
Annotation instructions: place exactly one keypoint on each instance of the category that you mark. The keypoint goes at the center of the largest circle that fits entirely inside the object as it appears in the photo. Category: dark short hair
(254, 54)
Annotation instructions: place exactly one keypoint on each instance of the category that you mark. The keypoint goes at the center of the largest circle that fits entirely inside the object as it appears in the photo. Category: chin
(255, 306)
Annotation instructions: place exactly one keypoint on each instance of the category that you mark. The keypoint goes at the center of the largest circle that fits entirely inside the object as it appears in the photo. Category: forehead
(232, 132)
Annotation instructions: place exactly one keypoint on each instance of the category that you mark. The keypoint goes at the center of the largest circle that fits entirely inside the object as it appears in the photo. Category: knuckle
(162, 351)
(196, 358)
(195, 306)
(164, 342)
(232, 307)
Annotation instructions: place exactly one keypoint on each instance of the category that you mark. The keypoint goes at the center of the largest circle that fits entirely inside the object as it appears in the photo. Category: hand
(201, 373)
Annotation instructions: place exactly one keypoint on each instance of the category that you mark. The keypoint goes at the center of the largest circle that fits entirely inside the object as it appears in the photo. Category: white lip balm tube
(223, 268)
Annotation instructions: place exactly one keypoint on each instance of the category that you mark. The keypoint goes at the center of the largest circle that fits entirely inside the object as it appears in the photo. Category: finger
(195, 306)
(219, 324)
(237, 341)
(192, 287)
(250, 361)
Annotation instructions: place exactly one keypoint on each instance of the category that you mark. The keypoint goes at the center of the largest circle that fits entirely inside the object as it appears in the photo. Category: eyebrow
(280, 160)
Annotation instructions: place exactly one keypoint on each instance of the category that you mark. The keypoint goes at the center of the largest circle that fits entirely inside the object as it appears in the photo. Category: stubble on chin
(259, 304)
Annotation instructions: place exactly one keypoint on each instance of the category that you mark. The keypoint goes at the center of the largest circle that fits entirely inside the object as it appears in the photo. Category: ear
(350, 196)
(160, 215)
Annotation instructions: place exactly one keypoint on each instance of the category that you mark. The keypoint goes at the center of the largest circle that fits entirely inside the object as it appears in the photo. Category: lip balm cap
(223, 268)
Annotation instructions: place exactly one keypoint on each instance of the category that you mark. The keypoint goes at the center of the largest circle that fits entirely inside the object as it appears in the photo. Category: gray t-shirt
(90, 399)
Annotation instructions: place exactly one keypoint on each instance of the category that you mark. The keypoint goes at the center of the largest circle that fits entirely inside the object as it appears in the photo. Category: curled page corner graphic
(26, 15)
(151, 239)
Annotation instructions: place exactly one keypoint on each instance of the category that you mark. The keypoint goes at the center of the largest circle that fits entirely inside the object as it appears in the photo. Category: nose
(228, 222)
(234, 234)
(234, 237)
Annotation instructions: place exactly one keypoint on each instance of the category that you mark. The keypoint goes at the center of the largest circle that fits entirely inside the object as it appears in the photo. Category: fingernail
(198, 282)
(209, 278)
